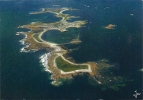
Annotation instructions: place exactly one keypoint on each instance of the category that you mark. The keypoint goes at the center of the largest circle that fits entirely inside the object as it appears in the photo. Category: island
(55, 60)
(110, 26)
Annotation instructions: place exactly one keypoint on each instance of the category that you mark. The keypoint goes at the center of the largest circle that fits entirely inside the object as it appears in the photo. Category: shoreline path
(57, 51)
(57, 48)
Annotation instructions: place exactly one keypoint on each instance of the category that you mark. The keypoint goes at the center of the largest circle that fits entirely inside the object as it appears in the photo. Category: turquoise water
(22, 76)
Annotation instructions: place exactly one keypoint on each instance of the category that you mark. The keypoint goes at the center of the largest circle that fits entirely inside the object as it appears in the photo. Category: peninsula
(55, 60)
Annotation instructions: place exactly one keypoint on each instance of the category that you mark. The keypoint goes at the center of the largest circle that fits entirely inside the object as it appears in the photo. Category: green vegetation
(66, 67)
(36, 36)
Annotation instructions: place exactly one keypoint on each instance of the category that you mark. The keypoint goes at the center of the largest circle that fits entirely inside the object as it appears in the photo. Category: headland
(56, 61)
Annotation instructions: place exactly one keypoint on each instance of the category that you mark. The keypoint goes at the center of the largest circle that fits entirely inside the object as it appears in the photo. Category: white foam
(24, 50)
(44, 60)
(141, 69)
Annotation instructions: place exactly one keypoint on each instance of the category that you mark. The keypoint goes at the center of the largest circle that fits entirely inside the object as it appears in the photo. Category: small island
(55, 61)
(110, 26)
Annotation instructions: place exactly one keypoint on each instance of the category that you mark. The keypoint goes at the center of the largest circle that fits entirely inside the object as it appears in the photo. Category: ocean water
(23, 77)
(61, 37)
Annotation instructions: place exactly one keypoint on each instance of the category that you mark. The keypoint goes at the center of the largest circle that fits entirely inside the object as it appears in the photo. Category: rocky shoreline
(48, 59)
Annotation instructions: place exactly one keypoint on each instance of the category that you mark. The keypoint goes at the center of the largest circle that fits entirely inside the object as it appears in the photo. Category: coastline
(44, 60)
(48, 59)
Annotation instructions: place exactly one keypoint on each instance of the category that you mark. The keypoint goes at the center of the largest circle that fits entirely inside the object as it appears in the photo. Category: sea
(22, 76)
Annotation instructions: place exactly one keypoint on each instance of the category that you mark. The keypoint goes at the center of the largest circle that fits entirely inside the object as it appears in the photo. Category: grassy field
(36, 37)
(66, 67)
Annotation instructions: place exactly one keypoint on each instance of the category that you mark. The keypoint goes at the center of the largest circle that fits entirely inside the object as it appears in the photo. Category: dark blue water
(46, 17)
(22, 76)
(61, 37)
